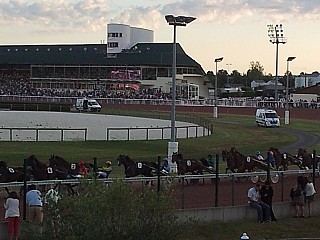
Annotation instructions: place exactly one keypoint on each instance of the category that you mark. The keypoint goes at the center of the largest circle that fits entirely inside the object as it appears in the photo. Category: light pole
(286, 113)
(173, 145)
(276, 36)
(215, 108)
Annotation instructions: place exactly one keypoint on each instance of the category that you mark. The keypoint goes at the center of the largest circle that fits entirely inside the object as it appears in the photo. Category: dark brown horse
(306, 158)
(40, 171)
(60, 163)
(11, 174)
(192, 166)
(233, 164)
(281, 161)
(245, 163)
(132, 168)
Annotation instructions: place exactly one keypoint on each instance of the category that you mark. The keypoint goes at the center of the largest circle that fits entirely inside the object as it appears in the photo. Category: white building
(257, 83)
(307, 80)
(121, 36)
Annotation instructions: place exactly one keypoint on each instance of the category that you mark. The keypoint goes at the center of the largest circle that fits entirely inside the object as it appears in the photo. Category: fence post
(158, 173)
(61, 135)
(24, 189)
(128, 134)
(85, 134)
(95, 168)
(10, 134)
(147, 132)
(314, 167)
(182, 193)
(217, 181)
(232, 189)
(37, 135)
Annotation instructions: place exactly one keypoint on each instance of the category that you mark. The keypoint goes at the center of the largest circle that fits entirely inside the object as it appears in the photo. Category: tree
(117, 211)
(255, 72)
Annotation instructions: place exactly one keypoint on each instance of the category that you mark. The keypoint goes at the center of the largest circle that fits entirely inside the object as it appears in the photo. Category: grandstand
(89, 67)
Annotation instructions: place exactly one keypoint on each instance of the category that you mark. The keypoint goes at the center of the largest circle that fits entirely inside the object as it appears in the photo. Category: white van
(267, 118)
(87, 105)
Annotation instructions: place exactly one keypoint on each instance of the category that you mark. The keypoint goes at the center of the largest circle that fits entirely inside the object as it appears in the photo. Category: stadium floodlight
(275, 33)
(173, 145)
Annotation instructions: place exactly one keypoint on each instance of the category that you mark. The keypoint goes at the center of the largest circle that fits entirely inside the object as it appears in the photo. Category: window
(114, 35)
(113, 44)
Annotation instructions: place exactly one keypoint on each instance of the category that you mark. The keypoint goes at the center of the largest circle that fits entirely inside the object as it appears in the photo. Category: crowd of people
(19, 84)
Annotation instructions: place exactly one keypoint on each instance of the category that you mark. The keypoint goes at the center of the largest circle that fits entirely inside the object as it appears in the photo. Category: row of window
(114, 35)
(113, 44)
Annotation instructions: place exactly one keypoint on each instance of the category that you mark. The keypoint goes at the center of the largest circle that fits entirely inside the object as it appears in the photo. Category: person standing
(266, 193)
(309, 193)
(297, 198)
(254, 200)
(12, 215)
(35, 207)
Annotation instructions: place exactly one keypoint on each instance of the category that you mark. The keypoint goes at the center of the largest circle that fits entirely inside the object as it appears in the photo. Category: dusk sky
(234, 29)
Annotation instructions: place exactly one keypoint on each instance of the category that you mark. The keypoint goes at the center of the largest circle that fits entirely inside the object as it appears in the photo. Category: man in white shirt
(263, 210)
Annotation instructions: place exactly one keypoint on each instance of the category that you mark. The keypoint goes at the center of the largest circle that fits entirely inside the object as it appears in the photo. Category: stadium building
(129, 60)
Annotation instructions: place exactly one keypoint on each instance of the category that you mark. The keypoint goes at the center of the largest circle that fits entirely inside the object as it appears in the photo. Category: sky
(233, 29)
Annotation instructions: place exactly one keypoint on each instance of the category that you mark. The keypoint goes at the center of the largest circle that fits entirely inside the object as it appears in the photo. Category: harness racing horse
(40, 171)
(237, 162)
(307, 158)
(193, 166)
(281, 159)
(11, 174)
(250, 163)
(233, 164)
(60, 163)
(132, 168)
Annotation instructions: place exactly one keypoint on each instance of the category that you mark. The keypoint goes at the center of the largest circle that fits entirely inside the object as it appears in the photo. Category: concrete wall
(240, 213)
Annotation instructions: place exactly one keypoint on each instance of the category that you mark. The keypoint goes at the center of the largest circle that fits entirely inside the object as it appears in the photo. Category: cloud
(55, 14)
(93, 15)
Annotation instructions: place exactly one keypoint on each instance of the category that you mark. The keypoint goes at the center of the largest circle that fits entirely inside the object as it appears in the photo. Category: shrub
(118, 211)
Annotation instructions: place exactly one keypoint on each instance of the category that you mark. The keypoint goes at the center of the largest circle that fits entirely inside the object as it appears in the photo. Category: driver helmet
(108, 162)
(270, 152)
(258, 153)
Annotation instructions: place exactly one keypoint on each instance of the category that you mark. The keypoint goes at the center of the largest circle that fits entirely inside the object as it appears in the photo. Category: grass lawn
(282, 229)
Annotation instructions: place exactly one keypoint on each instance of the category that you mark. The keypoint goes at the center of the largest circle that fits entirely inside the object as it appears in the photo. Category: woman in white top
(12, 214)
(309, 192)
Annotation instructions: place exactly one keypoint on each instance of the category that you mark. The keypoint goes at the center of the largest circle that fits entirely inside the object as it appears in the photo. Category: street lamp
(173, 145)
(276, 36)
(286, 113)
(215, 108)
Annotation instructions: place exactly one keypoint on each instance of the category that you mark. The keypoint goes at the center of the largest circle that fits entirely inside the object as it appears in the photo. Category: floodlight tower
(173, 145)
(275, 33)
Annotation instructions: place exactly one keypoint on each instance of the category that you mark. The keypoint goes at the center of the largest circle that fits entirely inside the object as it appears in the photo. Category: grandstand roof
(141, 54)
